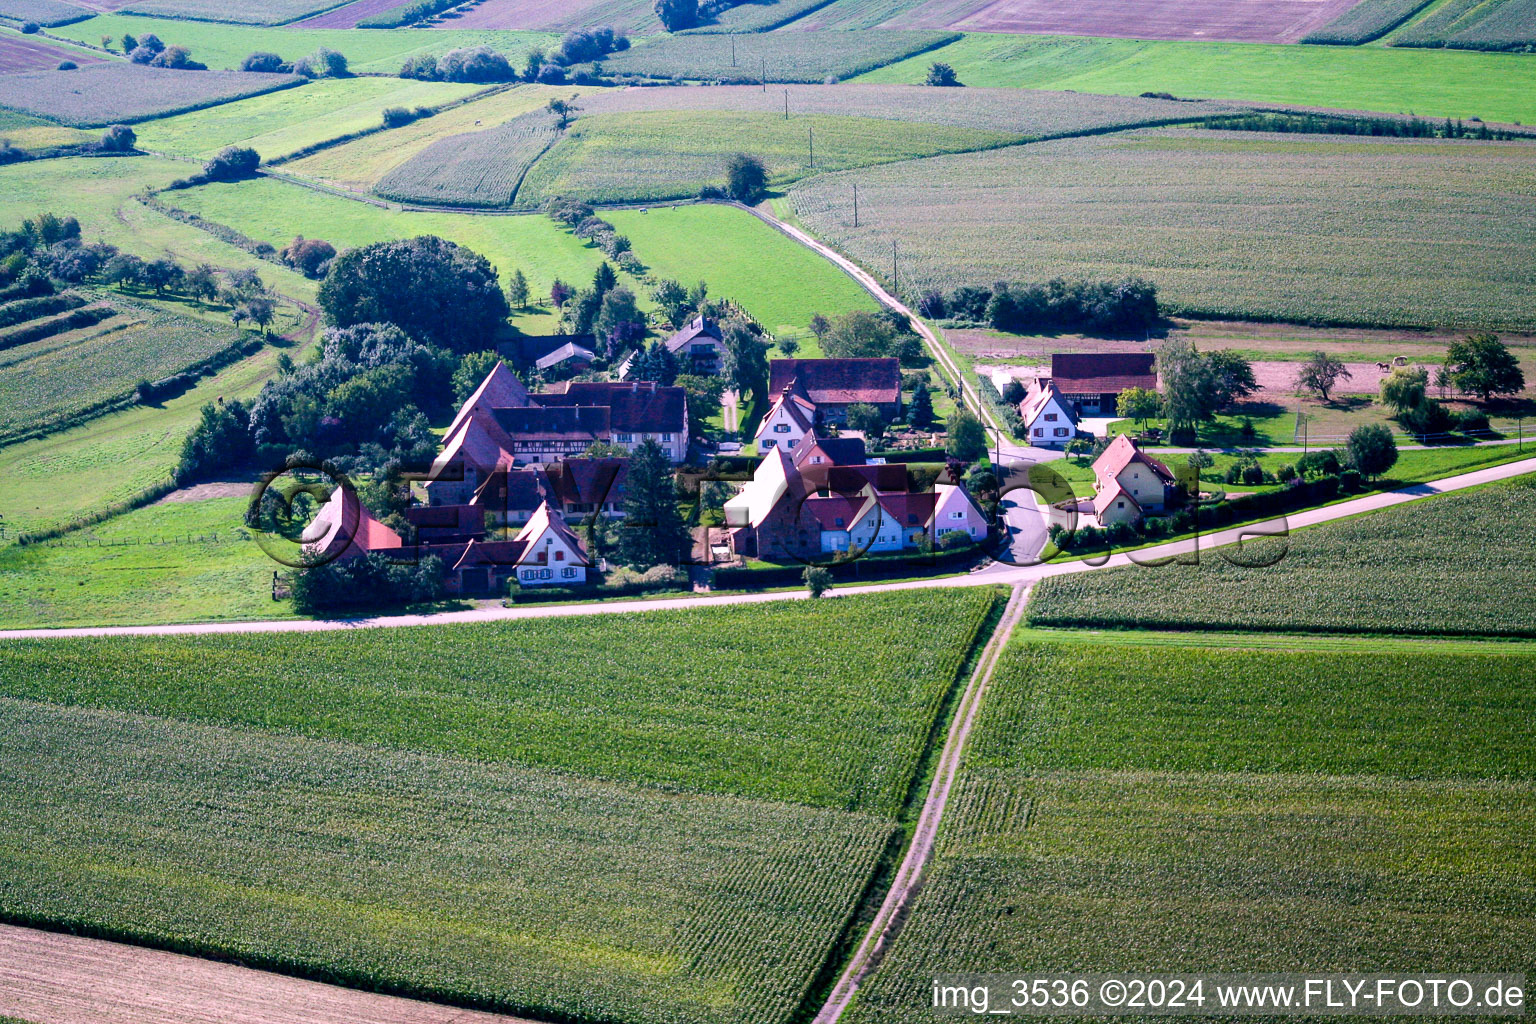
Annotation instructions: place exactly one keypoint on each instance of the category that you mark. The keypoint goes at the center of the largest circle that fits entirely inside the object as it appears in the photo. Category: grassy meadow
(1456, 564)
(778, 57)
(1126, 807)
(1430, 83)
(277, 124)
(779, 281)
(222, 45)
(1228, 225)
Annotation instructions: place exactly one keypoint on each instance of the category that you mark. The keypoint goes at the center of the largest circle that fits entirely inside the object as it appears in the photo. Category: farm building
(1047, 415)
(344, 528)
(832, 385)
(797, 508)
(1091, 382)
(1128, 483)
(570, 357)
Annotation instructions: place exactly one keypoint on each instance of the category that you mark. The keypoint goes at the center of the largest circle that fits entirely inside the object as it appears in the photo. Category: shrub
(370, 580)
(67, 65)
(1253, 474)
(394, 117)
(818, 580)
(1472, 421)
(746, 178)
(1350, 481)
(263, 62)
(31, 27)
(232, 163)
(677, 15)
(942, 74)
(118, 139)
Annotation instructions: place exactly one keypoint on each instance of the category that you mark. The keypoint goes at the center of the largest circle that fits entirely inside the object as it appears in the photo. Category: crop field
(1441, 83)
(244, 12)
(478, 169)
(780, 282)
(225, 46)
(781, 57)
(1451, 564)
(741, 715)
(276, 124)
(47, 13)
(116, 92)
(635, 16)
(360, 164)
(273, 211)
(348, 16)
(1265, 21)
(24, 54)
(1365, 21)
(174, 561)
(1474, 25)
(663, 155)
(1159, 808)
(524, 891)
(1229, 227)
(62, 376)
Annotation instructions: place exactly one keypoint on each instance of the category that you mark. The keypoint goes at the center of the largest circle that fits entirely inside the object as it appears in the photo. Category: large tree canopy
(434, 290)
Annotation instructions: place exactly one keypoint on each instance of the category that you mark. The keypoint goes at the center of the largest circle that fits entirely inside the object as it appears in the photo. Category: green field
(62, 376)
(359, 164)
(176, 561)
(1166, 808)
(482, 884)
(780, 282)
(741, 715)
(281, 123)
(478, 169)
(786, 57)
(1452, 564)
(225, 46)
(1495, 87)
(1231, 225)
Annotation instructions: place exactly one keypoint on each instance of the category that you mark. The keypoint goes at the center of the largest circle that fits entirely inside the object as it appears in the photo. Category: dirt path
(887, 923)
(207, 491)
(64, 979)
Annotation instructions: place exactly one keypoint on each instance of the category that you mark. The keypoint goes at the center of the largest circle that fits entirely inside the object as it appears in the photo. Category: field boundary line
(886, 926)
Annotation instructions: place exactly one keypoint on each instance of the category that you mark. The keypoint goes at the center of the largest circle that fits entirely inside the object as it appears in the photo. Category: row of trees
(1128, 306)
(149, 50)
(483, 64)
(865, 335)
(323, 63)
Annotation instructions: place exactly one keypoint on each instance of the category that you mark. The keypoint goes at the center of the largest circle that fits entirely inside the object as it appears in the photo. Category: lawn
(742, 715)
(359, 164)
(1174, 808)
(1433, 83)
(480, 884)
(780, 282)
(280, 123)
(226, 45)
(274, 211)
(176, 561)
(1457, 564)
(1227, 224)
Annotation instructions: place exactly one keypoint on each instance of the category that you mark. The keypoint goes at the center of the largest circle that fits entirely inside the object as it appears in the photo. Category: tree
(517, 290)
(259, 309)
(746, 178)
(119, 139)
(560, 293)
(967, 437)
(1188, 387)
(1482, 365)
(367, 401)
(1404, 389)
(1014, 391)
(1200, 459)
(788, 347)
(703, 398)
(1231, 378)
(1372, 449)
(434, 290)
(564, 110)
(309, 256)
(471, 371)
(232, 163)
(619, 323)
(603, 278)
(654, 363)
(859, 335)
(672, 299)
(866, 418)
(124, 270)
(818, 580)
(942, 74)
(221, 441)
(1320, 373)
(652, 531)
(163, 274)
(746, 359)
(329, 62)
(677, 15)
(129, 43)
(1138, 404)
(262, 61)
(920, 411)
(201, 283)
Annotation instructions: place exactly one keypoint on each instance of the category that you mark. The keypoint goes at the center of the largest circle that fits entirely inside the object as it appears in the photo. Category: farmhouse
(1128, 483)
(545, 552)
(697, 346)
(796, 508)
(1047, 415)
(832, 385)
(1091, 382)
(344, 528)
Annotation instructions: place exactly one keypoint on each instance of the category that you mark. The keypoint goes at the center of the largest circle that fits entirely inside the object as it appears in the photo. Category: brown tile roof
(1035, 403)
(838, 381)
(580, 481)
(639, 407)
(512, 490)
(500, 390)
(840, 451)
(1077, 373)
(849, 479)
(699, 327)
(565, 422)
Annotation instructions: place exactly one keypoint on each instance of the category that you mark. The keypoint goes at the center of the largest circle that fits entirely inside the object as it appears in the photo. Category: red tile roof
(579, 481)
(1122, 451)
(1089, 373)
(838, 381)
(640, 407)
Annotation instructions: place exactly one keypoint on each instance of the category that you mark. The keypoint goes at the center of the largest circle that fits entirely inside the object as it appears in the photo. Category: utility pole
(894, 286)
(810, 134)
(855, 205)
(733, 49)
(786, 104)
(764, 74)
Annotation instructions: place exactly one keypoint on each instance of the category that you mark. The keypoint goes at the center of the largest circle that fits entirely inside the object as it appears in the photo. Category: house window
(624, 438)
(838, 520)
(1061, 431)
(769, 442)
(1120, 504)
(667, 438)
(546, 574)
(543, 556)
(957, 515)
(871, 522)
(781, 428)
(817, 460)
(793, 442)
(559, 556)
(1039, 431)
(568, 573)
(529, 574)
(1050, 417)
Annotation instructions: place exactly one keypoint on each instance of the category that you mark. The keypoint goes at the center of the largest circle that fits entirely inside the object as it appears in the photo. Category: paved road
(1000, 572)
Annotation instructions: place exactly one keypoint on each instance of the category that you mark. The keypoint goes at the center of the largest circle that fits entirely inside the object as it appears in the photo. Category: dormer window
(838, 520)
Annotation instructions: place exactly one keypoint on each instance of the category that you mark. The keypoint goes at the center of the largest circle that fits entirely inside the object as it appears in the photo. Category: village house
(697, 346)
(788, 420)
(1047, 416)
(832, 385)
(1090, 383)
(1129, 484)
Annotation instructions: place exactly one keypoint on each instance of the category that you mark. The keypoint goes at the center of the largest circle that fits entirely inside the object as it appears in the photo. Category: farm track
(909, 876)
